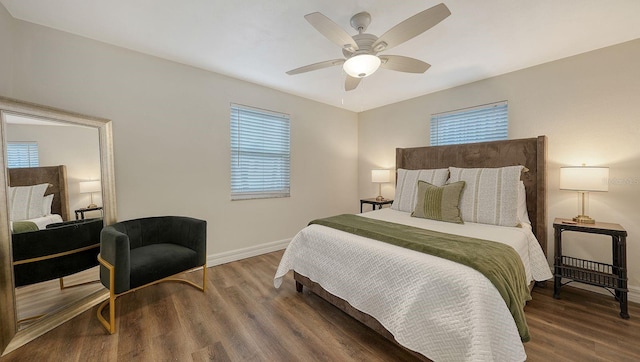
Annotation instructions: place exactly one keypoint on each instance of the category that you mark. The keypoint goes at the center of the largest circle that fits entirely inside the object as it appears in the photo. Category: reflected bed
(52, 246)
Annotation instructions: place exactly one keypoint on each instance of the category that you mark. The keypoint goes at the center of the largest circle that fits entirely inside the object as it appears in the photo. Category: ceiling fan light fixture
(362, 65)
(380, 47)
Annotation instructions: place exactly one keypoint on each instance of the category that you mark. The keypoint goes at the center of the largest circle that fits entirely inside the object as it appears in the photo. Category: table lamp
(584, 180)
(89, 187)
(380, 177)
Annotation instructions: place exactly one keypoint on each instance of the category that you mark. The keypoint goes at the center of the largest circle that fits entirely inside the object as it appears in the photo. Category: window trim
(285, 156)
(436, 118)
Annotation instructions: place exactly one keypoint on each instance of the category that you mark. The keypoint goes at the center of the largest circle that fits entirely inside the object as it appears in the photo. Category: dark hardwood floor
(242, 317)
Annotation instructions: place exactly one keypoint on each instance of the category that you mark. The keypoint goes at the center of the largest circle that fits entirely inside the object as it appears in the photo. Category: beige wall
(75, 147)
(587, 105)
(6, 44)
(171, 135)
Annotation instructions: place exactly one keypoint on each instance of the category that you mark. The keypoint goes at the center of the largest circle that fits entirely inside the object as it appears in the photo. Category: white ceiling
(259, 40)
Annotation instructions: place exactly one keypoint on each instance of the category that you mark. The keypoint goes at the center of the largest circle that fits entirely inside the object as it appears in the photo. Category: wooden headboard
(55, 176)
(529, 152)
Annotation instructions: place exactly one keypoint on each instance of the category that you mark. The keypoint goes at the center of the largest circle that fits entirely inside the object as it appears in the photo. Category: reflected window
(22, 154)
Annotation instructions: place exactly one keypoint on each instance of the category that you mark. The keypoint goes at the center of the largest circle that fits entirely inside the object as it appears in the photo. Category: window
(476, 124)
(22, 154)
(260, 154)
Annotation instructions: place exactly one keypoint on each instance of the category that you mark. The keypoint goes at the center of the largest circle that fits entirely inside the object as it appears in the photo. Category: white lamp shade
(90, 186)
(584, 178)
(361, 66)
(381, 176)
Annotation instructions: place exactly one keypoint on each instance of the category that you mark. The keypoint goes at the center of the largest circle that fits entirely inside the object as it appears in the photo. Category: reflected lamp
(90, 187)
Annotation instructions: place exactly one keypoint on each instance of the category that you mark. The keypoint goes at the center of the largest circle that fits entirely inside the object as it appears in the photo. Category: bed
(50, 245)
(436, 308)
(56, 178)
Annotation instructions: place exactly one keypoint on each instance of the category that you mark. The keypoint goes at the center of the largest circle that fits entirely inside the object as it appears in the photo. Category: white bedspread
(43, 221)
(439, 308)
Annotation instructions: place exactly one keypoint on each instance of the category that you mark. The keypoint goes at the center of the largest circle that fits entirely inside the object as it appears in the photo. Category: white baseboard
(632, 296)
(238, 254)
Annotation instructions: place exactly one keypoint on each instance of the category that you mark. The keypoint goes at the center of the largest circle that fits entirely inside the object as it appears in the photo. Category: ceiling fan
(361, 49)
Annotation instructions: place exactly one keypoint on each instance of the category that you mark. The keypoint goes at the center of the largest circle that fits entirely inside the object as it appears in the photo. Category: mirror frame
(10, 337)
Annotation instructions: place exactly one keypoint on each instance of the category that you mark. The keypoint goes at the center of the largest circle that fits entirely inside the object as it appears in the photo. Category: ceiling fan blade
(332, 31)
(351, 83)
(403, 64)
(411, 27)
(316, 66)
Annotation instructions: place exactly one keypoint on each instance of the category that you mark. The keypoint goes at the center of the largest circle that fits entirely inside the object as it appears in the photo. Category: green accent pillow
(439, 203)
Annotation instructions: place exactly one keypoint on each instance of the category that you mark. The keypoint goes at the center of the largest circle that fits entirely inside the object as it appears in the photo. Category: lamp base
(380, 198)
(584, 219)
(92, 206)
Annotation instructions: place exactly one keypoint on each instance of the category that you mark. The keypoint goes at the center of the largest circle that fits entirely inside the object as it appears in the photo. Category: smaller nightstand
(80, 212)
(610, 276)
(374, 203)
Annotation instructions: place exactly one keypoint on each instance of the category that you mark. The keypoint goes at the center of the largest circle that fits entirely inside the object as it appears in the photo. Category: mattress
(436, 307)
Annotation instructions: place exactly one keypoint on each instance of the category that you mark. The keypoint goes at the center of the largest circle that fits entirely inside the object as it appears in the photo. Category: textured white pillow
(46, 205)
(490, 195)
(26, 202)
(407, 186)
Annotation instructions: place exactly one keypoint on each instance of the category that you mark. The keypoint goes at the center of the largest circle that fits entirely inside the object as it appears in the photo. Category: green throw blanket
(498, 262)
(24, 226)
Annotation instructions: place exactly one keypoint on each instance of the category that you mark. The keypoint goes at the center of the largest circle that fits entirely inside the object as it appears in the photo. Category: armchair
(142, 252)
(59, 250)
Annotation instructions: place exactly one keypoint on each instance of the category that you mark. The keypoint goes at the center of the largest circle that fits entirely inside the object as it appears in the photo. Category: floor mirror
(80, 148)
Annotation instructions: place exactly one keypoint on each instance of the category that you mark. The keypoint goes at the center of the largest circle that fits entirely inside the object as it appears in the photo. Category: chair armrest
(72, 222)
(115, 250)
(193, 235)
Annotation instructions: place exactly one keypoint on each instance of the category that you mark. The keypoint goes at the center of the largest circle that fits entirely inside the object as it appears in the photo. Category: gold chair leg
(204, 277)
(63, 287)
(111, 324)
(183, 280)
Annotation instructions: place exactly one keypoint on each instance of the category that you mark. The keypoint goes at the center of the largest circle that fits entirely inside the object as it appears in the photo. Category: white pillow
(46, 205)
(523, 214)
(26, 202)
(407, 186)
(490, 195)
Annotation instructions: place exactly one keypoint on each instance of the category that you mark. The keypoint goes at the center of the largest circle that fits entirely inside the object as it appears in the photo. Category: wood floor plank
(242, 317)
(214, 352)
(47, 297)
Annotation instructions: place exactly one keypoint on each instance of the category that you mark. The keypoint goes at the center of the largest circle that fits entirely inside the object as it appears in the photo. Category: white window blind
(22, 154)
(260, 153)
(477, 124)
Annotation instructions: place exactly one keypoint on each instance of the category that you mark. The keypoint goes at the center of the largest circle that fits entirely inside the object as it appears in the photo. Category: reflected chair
(138, 253)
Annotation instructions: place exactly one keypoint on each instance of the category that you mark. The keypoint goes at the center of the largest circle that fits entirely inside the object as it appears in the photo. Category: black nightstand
(611, 276)
(80, 212)
(374, 203)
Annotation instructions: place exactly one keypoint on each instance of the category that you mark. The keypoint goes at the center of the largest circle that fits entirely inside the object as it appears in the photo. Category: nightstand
(610, 276)
(80, 212)
(374, 203)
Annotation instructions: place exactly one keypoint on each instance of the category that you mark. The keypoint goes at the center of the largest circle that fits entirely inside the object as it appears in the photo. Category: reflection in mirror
(35, 148)
(71, 149)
